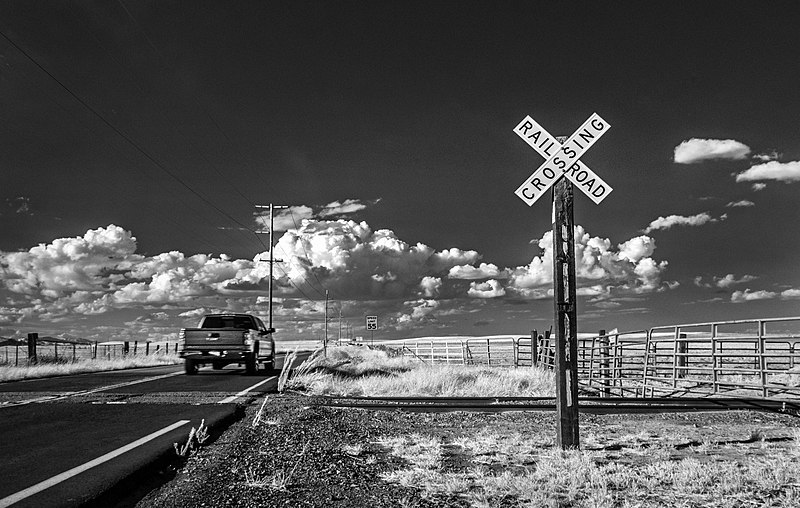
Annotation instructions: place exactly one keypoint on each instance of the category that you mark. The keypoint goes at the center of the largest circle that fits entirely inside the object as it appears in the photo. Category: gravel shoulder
(301, 455)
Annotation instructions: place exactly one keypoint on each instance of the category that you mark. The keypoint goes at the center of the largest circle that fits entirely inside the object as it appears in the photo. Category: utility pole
(271, 260)
(340, 323)
(325, 340)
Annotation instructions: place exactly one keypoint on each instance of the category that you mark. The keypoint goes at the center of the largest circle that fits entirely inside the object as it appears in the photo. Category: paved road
(66, 440)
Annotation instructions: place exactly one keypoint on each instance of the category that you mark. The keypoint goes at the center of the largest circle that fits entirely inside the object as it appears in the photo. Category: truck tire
(190, 367)
(217, 365)
(269, 366)
(250, 366)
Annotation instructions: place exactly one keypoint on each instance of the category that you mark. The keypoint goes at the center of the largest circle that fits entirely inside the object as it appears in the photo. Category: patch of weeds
(197, 437)
(280, 480)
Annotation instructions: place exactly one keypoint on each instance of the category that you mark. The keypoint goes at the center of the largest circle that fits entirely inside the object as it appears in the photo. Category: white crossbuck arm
(562, 159)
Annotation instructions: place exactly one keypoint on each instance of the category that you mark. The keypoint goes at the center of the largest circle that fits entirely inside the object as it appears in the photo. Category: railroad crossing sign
(562, 159)
(372, 322)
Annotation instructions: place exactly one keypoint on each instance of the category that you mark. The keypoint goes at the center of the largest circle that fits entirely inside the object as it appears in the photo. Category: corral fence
(497, 352)
(35, 349)
(754, 357)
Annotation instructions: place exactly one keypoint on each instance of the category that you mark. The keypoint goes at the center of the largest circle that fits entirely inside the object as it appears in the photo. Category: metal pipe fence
(757, 357)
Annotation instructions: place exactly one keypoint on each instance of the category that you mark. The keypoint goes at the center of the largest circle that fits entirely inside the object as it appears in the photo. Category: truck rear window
(243, 322)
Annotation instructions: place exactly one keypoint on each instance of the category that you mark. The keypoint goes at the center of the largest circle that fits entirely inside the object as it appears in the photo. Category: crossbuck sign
(562, 159)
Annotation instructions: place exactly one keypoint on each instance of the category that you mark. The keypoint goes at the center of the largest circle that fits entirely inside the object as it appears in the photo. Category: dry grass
(525, 470)
(11, 373)
(359, 371)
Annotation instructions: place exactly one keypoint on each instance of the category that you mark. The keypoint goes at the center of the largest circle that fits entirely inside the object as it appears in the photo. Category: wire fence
(19, 354)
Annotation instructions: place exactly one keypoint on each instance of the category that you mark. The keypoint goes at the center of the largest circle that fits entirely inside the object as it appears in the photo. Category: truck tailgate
(214, 338)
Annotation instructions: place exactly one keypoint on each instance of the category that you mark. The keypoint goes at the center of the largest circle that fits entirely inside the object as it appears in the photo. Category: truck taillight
(248, 338)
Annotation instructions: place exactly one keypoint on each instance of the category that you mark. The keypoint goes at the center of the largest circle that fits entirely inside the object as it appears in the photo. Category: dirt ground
(297, 454)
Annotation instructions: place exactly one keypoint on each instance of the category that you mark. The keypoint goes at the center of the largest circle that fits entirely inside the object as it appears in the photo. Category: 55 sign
(372, 323)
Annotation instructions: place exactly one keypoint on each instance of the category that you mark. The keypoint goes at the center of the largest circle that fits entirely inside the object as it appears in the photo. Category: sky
(138, 137)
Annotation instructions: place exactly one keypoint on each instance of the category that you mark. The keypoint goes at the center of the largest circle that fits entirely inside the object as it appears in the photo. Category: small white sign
(372, 322)
(562, 160)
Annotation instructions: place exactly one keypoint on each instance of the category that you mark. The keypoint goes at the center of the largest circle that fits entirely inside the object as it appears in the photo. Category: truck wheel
(269, 366)
(250, 366)
(217, 365)
(190, 367)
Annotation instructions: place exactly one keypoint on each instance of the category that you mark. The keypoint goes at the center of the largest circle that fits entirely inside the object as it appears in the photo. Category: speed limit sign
(372, 322)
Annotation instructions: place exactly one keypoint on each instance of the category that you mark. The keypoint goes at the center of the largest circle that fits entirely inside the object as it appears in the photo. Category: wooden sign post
(566, 316)
(563, 156)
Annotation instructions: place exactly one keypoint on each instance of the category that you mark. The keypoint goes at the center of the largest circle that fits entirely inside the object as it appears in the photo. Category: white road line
(93, 390)
(66, 475)
(244, 392)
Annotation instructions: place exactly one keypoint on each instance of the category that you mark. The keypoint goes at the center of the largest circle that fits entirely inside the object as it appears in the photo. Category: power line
(124, 136)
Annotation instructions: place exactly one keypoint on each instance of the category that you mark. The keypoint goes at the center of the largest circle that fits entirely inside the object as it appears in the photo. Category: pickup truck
(223, 339)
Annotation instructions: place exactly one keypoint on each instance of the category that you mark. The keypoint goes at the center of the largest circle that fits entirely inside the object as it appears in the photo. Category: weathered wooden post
(566, 361)
(32, 338)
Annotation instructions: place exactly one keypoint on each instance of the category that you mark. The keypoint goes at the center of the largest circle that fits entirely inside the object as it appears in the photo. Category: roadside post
(372, 325)
(32, 338)
(563, 160)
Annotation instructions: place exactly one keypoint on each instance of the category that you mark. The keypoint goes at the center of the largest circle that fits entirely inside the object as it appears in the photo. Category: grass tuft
(360, 371)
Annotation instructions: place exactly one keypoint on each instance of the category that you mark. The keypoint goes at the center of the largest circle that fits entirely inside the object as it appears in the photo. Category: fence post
(762, 351)
(94, 351)
(32, 338)
(604, 365)
(126, 348)
(534, 347)
(73, 353)
(16, 355)
(488, 353)
(146, 348)
(135, 347)
(683, 349)
(55, 350)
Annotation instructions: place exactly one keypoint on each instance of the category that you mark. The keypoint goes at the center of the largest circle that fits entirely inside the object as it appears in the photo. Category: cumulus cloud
(419, 311)
(759, 186)
(681, 220)
(741, 203)
(292, 217)
(771, 156)
(100, 272)
(790, 294)
(731, 280)
(356, 261)
(468, 272)
(725, 282)
(91, 262)
(748, 296)
(698, 150)
(488, 289)
(344, 208)
(601, 270)
(430, 286)
(779, 171)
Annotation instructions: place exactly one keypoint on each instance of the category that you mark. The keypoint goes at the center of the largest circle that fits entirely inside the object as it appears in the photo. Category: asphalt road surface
(71, 440)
